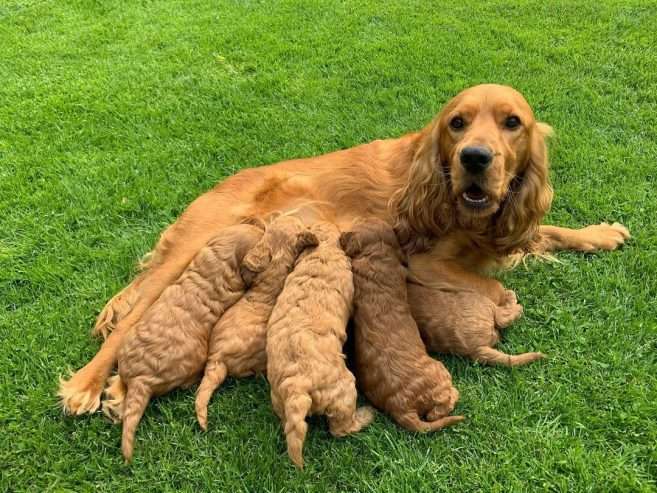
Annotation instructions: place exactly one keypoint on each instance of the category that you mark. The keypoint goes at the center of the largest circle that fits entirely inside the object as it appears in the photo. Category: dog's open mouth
(475, 197)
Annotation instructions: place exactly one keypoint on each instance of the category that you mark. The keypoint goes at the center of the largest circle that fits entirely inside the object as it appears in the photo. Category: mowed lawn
(115, 115)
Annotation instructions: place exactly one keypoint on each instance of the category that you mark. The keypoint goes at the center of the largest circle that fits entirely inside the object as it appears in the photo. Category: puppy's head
(368, 234)
(285, 237)
(326, 232)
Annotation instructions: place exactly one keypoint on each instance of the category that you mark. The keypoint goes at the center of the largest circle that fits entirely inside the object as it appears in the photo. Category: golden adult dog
(471, 188)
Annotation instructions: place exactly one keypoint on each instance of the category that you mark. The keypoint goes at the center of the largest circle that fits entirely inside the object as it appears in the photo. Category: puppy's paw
(365, 415)
(112, 404)
(507, 314)
(509, 298)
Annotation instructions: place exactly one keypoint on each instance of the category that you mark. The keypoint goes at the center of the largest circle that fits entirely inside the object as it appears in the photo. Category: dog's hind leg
(116, 309)
(203, 219)
(491, 356)
(215, 374)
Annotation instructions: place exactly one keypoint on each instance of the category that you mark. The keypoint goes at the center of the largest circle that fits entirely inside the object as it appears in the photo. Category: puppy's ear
(247, 275)
(255, 261)
(254, 221)
(306, 239)
(349, 243)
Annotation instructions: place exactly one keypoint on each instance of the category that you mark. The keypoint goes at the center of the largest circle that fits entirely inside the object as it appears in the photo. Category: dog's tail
(411, 421)
(135, 403)
(297, 407)
(215, 374)
(491, 356)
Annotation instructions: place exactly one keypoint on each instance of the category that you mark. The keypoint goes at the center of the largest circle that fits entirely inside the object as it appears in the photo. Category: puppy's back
(452, 322)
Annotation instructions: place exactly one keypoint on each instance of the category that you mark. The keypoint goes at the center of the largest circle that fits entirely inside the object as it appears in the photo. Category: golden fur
(237, 342)
(305, 335)
(413, 182)
(392, 365)
(465, 323)
(169, 346)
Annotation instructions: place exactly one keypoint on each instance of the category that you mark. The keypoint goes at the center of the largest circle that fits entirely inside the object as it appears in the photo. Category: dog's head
(483, 160)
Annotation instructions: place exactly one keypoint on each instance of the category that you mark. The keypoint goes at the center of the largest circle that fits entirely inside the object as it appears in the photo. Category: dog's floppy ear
(350, 244)
(422, 206)
(256, 260)
(522, 214)
(306, 239)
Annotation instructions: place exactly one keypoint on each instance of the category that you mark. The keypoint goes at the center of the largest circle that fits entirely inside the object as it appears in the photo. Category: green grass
(115, 115)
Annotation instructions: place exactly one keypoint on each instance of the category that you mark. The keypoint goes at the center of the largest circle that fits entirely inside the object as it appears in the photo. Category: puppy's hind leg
(491, 356)
(344, 422)
(135, 403)
(114, 396)
(411, 421)
(215, 374)
(297, 407)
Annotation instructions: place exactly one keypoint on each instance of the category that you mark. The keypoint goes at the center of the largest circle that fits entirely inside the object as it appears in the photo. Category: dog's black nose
(476, 159)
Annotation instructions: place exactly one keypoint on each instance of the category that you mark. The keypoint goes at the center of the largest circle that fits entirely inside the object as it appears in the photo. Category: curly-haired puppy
(306, 331)
(465, 323)
(237, 342)
(392, 365)
(169, 346)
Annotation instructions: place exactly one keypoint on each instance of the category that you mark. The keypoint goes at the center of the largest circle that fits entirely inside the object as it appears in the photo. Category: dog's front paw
(602, 237)
(80, 394)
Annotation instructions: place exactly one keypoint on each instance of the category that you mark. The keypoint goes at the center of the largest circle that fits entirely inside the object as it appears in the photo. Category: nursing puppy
(237, 342)
(169, 346)
(307, 329)
(465, 323)
(392, 365)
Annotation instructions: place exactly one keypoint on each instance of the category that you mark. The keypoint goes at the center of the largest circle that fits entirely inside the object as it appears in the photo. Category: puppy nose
(476, 159)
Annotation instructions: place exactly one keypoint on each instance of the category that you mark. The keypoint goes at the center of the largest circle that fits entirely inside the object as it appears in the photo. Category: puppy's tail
(135, 403)
(491, 356)
(297, 408)
(411, 421)
(215, 374)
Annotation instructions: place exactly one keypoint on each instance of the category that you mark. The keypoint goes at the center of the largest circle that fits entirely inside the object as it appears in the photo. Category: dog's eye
(457, 123)
(512, 122)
